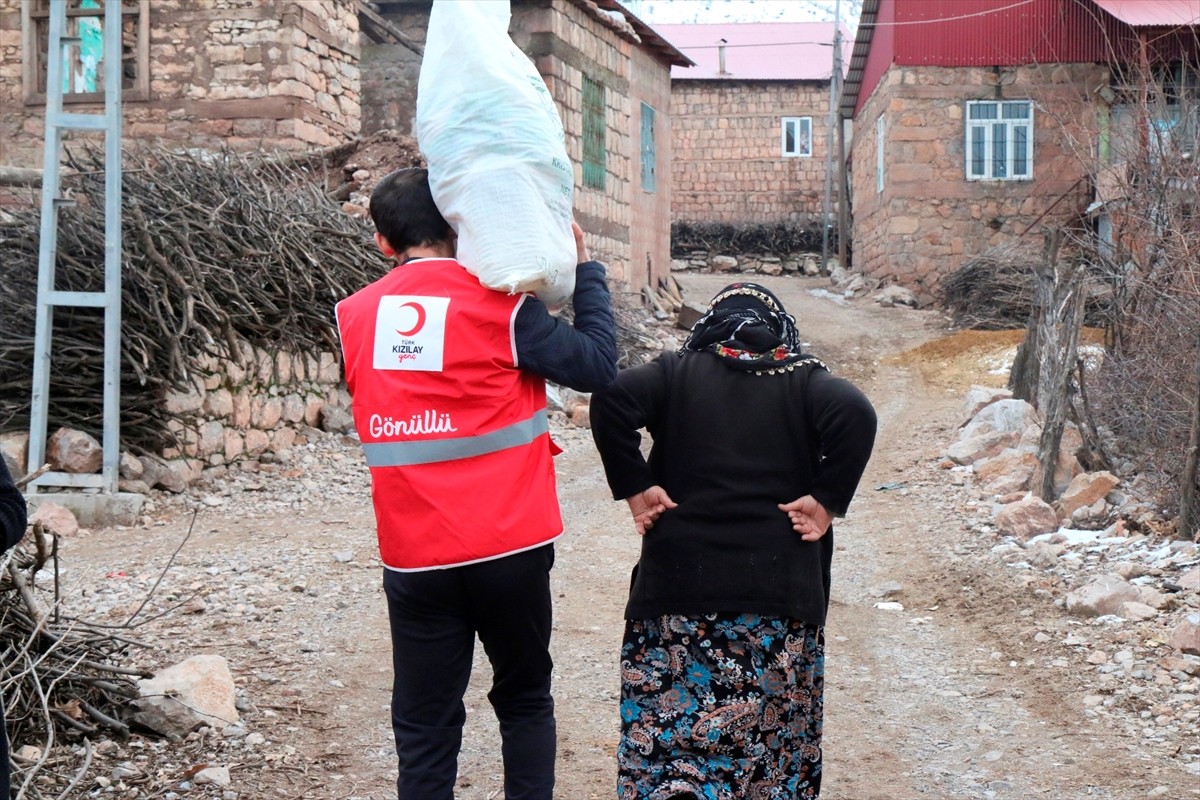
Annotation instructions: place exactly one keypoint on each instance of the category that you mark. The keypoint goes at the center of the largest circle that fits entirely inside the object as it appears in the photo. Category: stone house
(979, 121)
(750, 132)
(294, 74)
(205, 73)
(609, 74)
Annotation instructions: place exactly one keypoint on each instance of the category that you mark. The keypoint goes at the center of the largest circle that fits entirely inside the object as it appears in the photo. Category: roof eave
(650, 39)
(858, 58)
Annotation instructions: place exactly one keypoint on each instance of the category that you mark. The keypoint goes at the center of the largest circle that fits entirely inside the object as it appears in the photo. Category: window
(1178, 81)
(879, 131)
(648, 154)
(999, 140)
(83, 65)
(796, 136)
(594, 129)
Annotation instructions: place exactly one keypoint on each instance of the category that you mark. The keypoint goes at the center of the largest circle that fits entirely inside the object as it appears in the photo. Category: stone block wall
(246, 413)
(235, 413)
(726, 151)
(241, 73)
(929, 219)
(567, 42)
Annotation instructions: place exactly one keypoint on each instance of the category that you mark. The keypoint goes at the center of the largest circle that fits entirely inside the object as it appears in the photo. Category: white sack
(494, 145)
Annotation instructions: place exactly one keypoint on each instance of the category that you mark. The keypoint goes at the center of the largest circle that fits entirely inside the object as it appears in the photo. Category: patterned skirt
(721, 707)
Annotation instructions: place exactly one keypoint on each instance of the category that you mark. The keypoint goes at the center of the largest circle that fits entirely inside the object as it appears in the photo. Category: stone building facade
(918, 214)
(204, 73)
(728, 147)
(609, 75)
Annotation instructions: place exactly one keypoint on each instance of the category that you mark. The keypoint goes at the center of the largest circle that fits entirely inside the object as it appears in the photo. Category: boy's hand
(580, 247)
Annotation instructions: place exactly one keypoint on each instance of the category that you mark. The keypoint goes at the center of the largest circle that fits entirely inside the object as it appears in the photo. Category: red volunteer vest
(454, 434)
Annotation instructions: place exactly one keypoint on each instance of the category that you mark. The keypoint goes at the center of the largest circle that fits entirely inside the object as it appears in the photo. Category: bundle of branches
(63, 681)
(995, 290)
(780, 238)
(218, 249)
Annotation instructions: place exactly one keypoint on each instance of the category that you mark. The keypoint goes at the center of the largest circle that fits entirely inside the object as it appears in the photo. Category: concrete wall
(929, 219)
(727, 164)
(241, 73)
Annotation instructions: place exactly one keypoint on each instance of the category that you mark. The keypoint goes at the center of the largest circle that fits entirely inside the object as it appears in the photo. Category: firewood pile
(721, 237)
(65, 682)
(995, 290)
(218, 248)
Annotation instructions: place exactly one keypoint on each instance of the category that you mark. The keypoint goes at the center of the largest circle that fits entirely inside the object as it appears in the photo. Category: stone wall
(726, 151)
(929, 218)
(389, 75)
(566, 43)
(235, 412)
(241, 73)
(233, 416)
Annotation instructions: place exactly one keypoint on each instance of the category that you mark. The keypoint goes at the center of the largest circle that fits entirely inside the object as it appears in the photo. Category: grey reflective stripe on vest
(431, 451)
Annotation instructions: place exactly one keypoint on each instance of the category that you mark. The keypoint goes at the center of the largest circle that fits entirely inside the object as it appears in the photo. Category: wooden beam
(387, 28)
(19, 176)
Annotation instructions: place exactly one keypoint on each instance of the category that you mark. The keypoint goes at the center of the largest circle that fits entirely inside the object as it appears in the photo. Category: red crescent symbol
(420, 319)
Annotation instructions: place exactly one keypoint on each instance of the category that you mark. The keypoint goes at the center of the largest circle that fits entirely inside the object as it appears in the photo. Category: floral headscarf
(747, 327)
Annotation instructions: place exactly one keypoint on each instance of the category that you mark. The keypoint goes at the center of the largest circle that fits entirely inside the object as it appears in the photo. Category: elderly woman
(12, 528)
(756, 447)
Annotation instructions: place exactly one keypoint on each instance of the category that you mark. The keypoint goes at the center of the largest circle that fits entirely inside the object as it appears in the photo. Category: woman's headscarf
(747, 327)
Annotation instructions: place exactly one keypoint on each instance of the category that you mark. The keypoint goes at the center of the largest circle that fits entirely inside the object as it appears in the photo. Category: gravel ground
(978, 686)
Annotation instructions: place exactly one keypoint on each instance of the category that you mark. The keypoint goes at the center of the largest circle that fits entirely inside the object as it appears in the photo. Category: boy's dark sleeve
(12, 508)
(845, 424)
(582, 356)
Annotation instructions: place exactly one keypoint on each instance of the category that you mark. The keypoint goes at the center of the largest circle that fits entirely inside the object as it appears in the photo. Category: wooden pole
(1059, 339)
(834, 90)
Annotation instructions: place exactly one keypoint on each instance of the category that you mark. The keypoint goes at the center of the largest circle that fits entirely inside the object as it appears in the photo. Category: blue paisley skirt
(721, 707)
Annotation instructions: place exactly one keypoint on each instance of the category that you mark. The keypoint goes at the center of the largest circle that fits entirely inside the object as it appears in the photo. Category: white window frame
(797, 124)
(981, 135)
(880, 130)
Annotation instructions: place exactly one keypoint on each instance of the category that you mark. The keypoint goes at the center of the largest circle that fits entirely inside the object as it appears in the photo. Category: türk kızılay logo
(410, 332)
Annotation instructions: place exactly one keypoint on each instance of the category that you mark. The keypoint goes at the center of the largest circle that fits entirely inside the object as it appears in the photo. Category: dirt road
(950, 698)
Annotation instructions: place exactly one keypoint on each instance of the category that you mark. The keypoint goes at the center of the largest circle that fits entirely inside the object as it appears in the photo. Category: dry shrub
(1147, 391)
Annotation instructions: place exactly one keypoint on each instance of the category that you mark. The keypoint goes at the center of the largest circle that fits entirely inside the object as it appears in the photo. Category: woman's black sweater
(12, 509)
(728, 447)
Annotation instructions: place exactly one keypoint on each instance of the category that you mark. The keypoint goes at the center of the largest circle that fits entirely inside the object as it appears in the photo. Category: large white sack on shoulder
(494, 145)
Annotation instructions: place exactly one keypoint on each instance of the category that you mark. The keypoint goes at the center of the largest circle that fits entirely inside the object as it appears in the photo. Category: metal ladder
(49, 297)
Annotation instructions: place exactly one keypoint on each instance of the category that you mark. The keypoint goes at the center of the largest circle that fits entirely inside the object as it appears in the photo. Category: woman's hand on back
(647, 506)
(809, 518)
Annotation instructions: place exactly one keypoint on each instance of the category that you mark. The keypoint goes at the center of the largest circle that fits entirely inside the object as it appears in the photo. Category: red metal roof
(1153, 13)
(777, 51)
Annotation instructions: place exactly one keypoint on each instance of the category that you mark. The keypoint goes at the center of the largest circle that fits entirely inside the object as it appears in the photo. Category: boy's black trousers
(435, 616)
